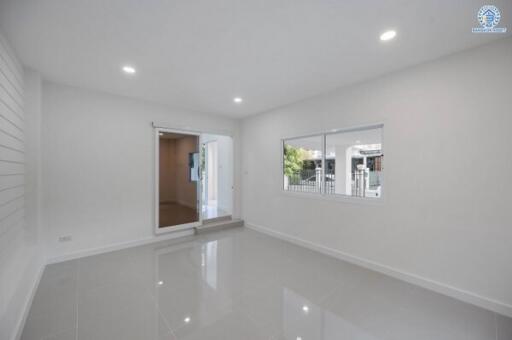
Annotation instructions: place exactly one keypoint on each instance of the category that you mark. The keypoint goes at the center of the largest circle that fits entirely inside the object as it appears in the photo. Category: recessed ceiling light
(129, 69)
(305, 309)
(238, 100)
(160, 283)
(388, 35)
(187, 319)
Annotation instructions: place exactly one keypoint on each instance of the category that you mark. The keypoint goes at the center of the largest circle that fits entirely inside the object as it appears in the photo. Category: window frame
(334, 196)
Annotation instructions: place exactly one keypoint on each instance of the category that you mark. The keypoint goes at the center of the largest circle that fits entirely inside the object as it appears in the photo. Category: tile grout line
(76, 300)
(496, 325)
(157, 305)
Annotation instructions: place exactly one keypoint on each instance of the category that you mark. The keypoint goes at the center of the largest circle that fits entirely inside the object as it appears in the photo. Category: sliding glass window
(346, 162)
(302, 161)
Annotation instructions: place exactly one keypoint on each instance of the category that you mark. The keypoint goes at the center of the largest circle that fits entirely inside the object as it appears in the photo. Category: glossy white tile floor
(239, 284)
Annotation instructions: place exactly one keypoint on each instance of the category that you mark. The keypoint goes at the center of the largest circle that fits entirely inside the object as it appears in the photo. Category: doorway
(217, 176)
(193, 179)
(178, 174)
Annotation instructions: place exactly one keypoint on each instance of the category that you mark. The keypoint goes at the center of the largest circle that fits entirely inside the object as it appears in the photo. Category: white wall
(21, 257)
(98, 166)
(445, 221)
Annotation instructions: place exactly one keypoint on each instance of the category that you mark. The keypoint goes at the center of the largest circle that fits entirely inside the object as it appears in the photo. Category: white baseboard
(438, 287)
(183, 203)
(28, 304)
(119, 246)
(187, 204)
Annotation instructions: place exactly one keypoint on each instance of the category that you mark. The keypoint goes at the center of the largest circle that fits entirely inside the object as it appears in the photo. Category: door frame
(199, 204)
(205, 176)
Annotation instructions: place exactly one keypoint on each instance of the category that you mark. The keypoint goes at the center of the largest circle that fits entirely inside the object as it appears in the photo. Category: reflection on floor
(211, 211)
(175, 214)
(239, 284)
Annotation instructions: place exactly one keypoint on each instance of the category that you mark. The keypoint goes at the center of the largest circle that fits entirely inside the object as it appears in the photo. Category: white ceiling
(199, 54)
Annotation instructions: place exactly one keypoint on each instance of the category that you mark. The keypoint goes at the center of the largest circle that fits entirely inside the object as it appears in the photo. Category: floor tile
(241, 284)
(120, 312)
(231, 326)
(54, 306)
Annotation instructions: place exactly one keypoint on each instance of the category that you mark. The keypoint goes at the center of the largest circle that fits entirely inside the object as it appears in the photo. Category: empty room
(255, 170)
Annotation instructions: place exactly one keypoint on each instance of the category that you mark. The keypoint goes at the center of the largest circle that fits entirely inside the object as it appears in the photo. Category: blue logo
(489, 17)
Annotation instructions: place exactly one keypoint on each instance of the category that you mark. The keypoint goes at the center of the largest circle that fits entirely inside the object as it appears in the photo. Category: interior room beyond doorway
(217, 176)
(178, 179)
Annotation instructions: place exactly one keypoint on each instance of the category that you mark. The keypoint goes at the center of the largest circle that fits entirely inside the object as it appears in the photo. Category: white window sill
(335, 197)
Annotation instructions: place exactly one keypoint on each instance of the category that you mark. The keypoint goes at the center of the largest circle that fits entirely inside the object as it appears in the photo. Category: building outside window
(345, 162)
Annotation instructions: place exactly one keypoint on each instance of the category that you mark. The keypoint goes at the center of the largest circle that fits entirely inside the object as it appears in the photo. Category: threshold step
(217, 219)
(213, 226)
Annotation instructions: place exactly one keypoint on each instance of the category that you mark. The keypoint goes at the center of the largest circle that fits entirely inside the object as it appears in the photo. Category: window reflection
(209, 263)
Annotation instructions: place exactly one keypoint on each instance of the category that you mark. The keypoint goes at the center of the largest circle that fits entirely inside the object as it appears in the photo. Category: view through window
(346, 163)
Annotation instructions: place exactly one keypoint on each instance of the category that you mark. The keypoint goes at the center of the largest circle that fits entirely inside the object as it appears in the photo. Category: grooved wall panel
(12, 154)
(15, 254)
